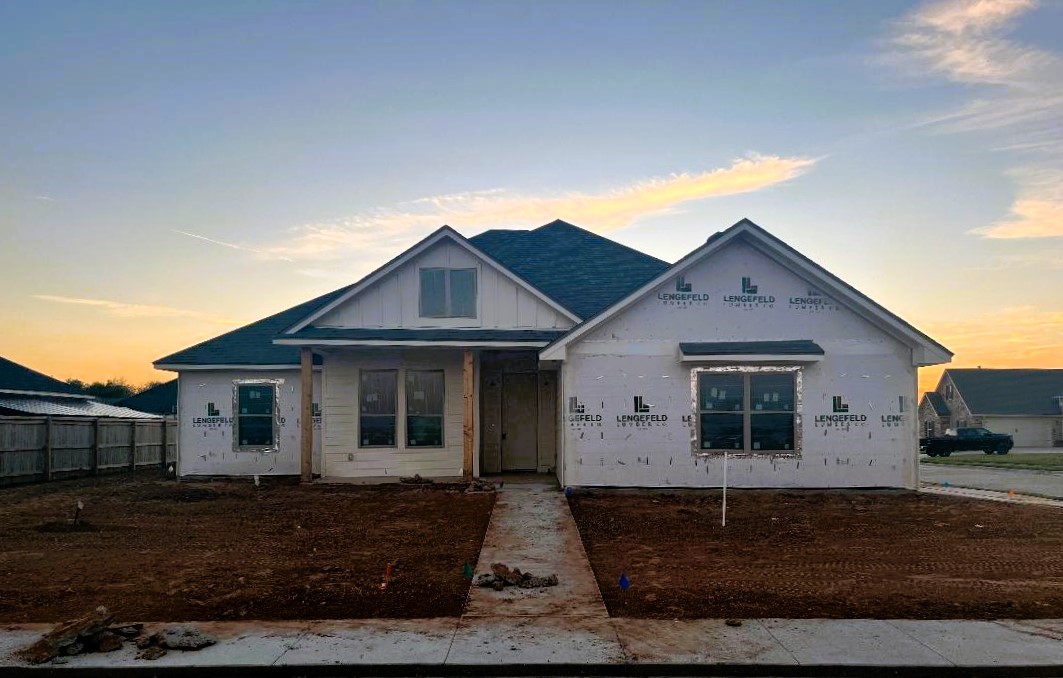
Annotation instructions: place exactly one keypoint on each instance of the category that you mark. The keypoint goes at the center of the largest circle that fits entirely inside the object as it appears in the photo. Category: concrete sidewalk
(612, 646)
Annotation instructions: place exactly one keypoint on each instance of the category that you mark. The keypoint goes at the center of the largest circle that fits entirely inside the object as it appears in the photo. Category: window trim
(747, 443)
(448, 303)
(275, 384)
(398, 433)
(406, 411)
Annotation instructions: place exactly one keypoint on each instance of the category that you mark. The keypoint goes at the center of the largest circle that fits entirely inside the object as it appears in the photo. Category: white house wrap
(560, 351)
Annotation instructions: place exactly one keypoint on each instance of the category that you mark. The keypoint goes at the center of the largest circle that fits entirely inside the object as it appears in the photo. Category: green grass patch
(1047, 461)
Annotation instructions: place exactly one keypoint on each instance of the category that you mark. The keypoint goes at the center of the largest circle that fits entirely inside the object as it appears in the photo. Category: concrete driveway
(1042, 483)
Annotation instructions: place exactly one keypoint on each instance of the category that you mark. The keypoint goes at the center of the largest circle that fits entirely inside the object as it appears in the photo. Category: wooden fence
(39, 449)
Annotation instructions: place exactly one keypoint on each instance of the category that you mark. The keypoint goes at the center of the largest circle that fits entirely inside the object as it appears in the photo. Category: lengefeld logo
(749, 297)
(837, 405)
(641, 418)
(577, 414)
(840, 417)
(213, 418)
(684, 295)
(813, 301)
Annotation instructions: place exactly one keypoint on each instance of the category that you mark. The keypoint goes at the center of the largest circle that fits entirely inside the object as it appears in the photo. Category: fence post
(96, 449)
(133, 446)
(162, 461)
(48, 448)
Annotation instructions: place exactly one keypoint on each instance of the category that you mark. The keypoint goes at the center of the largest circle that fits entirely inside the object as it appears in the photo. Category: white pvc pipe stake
(724, 523)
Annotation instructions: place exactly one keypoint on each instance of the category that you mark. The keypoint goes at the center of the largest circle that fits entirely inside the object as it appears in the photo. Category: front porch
(436, 411)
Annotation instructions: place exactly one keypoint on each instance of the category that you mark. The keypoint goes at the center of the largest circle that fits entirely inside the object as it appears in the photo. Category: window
(376, 411)
(746, 411)
(448, 292)
(948, 391)
(255, 420)
(424, 409)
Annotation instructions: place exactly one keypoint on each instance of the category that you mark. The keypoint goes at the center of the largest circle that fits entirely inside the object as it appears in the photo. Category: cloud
(126, 310)
(1019, 99)
(43, 198)
(222, 243)
(380, 231)
(1036, 213)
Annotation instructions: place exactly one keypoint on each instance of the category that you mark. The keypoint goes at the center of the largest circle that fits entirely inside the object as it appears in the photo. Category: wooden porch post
(468, 424)
(306, 415)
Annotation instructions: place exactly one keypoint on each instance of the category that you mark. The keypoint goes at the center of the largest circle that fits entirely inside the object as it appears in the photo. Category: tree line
(112, 389)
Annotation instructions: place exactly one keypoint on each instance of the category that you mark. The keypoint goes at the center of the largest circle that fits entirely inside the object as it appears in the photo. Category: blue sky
(169, 171)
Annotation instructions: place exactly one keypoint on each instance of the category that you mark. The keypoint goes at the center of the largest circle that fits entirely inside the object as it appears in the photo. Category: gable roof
(1027, 392)
(159, 399)
(584, 272)
(750, 233)
(941, 409)
(67, 406)
(574, 268)
(19, 379)
(444, 233)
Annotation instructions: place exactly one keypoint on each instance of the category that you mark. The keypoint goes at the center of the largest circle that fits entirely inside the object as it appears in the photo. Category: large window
(448, 293)
(376, 411)
(255, 421)
(424, 408)
(746, 411)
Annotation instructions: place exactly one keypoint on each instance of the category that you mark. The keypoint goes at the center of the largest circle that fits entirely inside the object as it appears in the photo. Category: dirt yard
(822, 554)
(155, 550)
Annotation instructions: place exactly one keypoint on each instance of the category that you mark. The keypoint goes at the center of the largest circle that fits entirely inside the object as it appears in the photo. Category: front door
(520, 409)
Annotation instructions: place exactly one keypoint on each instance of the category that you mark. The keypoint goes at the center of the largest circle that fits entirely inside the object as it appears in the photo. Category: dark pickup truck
(967, 439)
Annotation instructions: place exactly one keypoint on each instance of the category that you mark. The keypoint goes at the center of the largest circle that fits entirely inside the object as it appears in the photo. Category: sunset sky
(169, 171)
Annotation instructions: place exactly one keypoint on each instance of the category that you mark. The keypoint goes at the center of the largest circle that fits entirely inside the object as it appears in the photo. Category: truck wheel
(1003, 450)
(988, 450)
(931, 453)
(945, 453)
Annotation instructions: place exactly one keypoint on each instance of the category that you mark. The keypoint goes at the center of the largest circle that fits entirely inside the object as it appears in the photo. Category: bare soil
(150, 549)
(830, 554)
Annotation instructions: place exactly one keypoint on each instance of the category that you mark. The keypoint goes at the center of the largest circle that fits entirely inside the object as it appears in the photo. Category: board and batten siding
(206, 442)
(637, 354)
(393, 301)
(345, 457)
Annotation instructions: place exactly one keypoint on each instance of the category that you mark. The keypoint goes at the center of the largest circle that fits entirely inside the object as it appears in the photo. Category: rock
(733, 622)
(65, 638)
(109, 642)
(152, 653)
(184, 638)
(147, 641)
(502, 576)
(127, 631)
(416, 479)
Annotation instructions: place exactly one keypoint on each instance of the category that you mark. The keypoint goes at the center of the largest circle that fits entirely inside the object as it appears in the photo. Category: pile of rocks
(502, 576)
(95, 633)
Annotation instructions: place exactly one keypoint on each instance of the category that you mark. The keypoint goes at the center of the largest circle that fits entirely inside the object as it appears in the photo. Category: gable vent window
(448, 293)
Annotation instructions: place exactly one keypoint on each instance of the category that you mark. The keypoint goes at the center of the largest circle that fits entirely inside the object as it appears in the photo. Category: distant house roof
(66, 407)
(20, 379)
(160, 399)
(1015, 392)
(577, 269)
(938, 403)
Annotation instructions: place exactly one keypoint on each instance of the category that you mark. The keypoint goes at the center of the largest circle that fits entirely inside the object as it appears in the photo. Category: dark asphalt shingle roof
(15, 377)
(791, 347)
(938, 403)
(581, 271)
(160, 399)
(434, 334)
(1021, 392)
(252, 344)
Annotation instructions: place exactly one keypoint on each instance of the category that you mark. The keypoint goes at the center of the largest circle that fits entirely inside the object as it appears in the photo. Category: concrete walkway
(566, 629)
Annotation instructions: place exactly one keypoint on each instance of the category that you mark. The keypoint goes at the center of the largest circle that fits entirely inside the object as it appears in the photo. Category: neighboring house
(27, 392)
(557, 350)
(159, 399)
(1027, 403)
